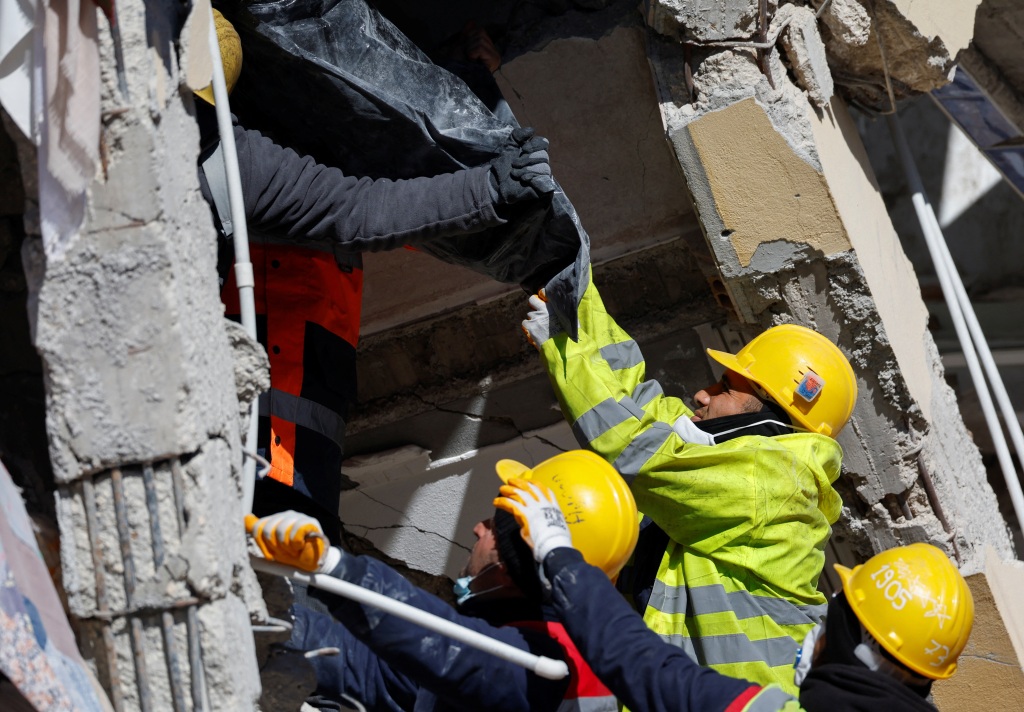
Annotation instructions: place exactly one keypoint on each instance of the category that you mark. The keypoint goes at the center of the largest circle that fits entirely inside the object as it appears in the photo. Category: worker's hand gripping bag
(336, 80)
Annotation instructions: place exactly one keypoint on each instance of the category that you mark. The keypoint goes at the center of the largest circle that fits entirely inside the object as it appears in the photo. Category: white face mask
(805, 655)
(462, 586)
(869, 652)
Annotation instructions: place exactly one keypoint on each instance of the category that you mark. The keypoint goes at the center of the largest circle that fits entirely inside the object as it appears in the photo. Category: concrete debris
(848, 21)
(806, 53)
(252, 369)
(867, 41)
(706, 20)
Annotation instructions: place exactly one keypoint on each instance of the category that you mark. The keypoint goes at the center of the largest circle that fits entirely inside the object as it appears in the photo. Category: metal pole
(959, 306)
(243, 266)
(541, 666)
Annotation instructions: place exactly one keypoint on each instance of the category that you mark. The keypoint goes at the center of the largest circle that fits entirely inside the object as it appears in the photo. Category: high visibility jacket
(747, 520)
(649, 675)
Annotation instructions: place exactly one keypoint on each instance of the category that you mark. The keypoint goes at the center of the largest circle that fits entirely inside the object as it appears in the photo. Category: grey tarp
(336, 80)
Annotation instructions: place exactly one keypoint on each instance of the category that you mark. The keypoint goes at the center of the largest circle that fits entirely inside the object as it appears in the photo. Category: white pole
(959, 305)
(243, 266)
(541, 666)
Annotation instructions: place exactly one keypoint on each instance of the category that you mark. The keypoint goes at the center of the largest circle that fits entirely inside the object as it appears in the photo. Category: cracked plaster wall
(138, 372)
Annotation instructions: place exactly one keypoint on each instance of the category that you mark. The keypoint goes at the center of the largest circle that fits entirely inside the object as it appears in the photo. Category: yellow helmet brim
(507, 469)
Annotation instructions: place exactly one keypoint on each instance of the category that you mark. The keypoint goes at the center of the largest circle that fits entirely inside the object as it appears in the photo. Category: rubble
(805, 52)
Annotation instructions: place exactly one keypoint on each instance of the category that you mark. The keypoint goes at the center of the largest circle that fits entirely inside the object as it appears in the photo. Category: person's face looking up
(732, 395)
(485, 551)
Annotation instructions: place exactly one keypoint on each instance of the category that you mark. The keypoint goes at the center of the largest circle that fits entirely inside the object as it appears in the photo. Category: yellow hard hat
(230, 53)
(802, 371)
(915, 603)
(597, 504)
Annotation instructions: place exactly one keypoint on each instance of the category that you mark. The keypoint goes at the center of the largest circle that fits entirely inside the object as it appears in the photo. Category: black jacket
(292, 197)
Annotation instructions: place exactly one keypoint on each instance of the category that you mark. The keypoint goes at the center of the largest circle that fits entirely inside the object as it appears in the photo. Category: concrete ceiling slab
(594, 100)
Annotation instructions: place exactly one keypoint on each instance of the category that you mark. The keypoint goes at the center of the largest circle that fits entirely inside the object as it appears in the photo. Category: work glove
(536, 510)
(537, 325)
(522, 172)
(293, 539)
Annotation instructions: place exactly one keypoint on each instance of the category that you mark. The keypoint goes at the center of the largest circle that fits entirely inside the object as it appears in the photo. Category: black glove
(522, 171)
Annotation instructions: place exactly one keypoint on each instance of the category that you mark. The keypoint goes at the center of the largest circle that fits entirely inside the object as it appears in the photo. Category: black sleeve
(643, 671)
(295, 197)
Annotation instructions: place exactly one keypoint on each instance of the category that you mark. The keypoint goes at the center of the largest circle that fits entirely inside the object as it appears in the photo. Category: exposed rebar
(762, 37)
(137, 633)
(166, 617)
(885, 60)
(102, 604)
(195, 653)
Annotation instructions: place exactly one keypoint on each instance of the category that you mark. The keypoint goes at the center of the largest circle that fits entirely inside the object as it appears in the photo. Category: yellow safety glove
(291, 538)
(536, 510)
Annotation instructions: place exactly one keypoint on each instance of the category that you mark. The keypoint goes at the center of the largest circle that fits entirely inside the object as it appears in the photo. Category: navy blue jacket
(387, 663)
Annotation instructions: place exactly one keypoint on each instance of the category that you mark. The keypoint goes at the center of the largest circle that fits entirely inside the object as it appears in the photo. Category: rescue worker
(308, 225)
(899, 623)
(387, 663)
(737, 495)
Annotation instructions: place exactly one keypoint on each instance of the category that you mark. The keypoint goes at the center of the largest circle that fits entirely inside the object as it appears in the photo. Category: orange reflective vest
(308, 305)
(585, 692)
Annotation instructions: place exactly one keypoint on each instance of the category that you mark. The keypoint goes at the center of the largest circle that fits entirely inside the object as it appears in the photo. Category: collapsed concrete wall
(141, 408)
(799, 232)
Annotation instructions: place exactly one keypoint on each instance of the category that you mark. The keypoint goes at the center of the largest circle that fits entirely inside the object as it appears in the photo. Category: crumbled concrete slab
(705, 20)
(915, 45)
(801, 213)
(848, 21)
(806, 53)
(252, 369)
(798, 175)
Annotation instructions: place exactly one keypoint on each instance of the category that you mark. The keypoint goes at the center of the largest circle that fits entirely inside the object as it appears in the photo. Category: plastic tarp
(334, 79)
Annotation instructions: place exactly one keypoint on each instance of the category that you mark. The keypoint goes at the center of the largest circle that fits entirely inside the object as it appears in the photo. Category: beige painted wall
(952, 21)
(762, 190)
(887, 270)
(989, 674)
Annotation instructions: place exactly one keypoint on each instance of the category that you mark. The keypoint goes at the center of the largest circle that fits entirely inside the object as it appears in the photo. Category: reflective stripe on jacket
(585, 692)
(747, 519)
(646, 674)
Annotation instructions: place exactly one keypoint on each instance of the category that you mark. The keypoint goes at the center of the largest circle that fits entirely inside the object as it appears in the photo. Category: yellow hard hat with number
(231, 54)
(597, 504)
(915, 603)
(802, 371)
